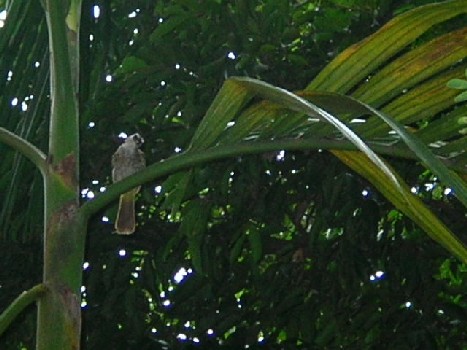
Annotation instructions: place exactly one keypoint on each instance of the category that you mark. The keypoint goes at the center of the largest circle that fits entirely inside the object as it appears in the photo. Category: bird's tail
(125, 222)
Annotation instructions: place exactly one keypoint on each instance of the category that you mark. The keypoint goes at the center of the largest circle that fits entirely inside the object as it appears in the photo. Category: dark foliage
(280, 250)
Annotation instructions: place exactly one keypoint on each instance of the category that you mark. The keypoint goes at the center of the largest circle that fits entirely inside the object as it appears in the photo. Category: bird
(127, 160)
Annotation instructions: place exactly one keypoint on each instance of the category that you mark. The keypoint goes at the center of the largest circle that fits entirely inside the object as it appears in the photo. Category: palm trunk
(59, 314)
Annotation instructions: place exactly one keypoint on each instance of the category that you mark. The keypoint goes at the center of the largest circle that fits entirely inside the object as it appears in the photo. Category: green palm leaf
(410, 89)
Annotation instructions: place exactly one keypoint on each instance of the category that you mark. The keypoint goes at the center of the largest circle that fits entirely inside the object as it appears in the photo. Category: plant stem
(193, 158)
(19, 304)
(27, 149)
(59, 312)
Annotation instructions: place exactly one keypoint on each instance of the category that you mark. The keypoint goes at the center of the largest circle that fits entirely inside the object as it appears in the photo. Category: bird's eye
(138, 139)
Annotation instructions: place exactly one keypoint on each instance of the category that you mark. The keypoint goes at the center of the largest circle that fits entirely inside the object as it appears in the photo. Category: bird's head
(136, 138)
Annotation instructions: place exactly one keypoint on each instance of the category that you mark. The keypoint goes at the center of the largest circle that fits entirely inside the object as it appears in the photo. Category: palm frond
(23, 101)
(397, 70)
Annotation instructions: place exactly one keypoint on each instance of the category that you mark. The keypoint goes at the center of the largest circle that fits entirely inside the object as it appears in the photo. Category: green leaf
(169, 25)
(299, 104)
(222, 111)
(461, 97)
(131, 64)
(414, 209)
(457, 84)
(367, 163)
(237, 249)
(195, 215)
(358, 61)
(176, 186)
(419, 64)
(254, 237)
(425, 155)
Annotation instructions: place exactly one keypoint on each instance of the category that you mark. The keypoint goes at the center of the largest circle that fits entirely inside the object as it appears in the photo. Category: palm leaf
(393, 70)
(24, 104)
(366, 162)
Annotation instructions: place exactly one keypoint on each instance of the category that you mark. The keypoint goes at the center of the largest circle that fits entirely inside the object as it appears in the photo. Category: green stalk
(193, 158)
(19, 304)
(59, 314)
(27, 149)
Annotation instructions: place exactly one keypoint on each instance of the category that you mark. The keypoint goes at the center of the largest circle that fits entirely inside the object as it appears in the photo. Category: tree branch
(19, 304)
(190, 159)
(27, 149)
